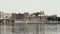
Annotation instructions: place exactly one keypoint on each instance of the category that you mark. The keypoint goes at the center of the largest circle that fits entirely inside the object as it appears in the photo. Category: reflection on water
(30, 29)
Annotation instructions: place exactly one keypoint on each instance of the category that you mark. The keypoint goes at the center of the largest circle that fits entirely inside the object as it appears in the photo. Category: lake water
(30, 29)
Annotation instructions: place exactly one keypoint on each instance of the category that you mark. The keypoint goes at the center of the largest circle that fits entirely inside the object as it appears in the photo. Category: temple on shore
(23, 17)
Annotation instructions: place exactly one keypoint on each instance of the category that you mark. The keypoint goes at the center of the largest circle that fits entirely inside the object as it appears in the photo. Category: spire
(42, 12)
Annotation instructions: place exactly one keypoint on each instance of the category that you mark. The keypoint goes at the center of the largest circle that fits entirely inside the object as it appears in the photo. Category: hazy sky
(49, 6)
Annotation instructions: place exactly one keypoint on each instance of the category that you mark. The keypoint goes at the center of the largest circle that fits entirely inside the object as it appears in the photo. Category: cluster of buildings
(38, 16)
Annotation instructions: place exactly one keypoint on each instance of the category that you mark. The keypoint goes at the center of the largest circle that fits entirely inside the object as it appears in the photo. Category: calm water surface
(30, 29)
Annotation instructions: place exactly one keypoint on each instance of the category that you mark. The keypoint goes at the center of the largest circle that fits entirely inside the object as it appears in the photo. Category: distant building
(20, 16)
(26, 16)
(1, 14)
(7, 16)
(13, 16)
(39, 16)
